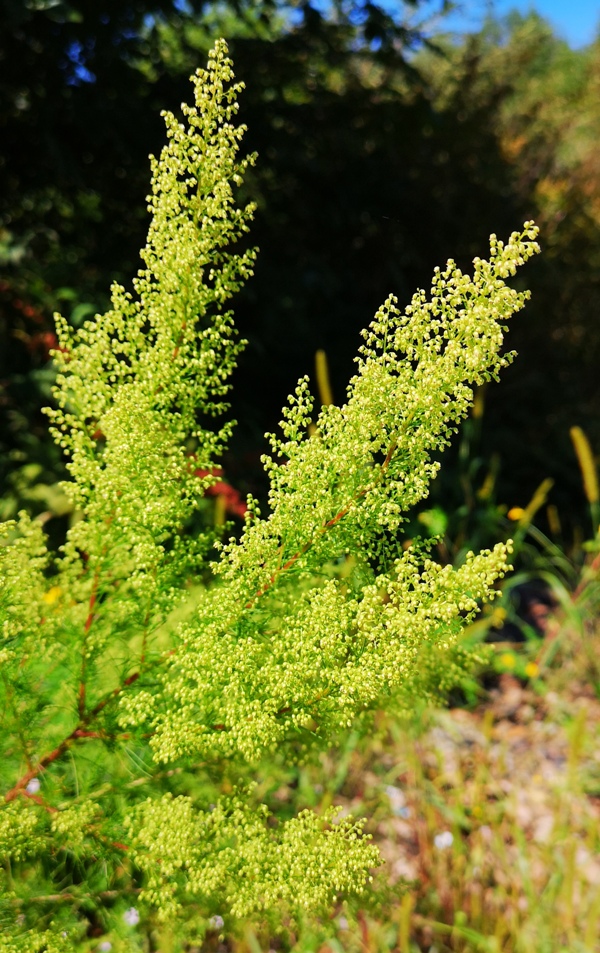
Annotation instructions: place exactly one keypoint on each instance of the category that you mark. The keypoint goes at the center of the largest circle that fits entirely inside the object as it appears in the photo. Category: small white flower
(105, 946)
(216, 922)
(397, 801)
(443, 840)
(33, 786)
(131, 917)
(343, 923)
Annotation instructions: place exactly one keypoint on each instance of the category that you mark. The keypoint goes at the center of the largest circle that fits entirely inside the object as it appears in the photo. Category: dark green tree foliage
(537, 99)
(82, 85)
(70, 164)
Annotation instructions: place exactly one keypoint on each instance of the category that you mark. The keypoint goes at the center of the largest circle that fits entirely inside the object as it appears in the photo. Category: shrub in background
(138, 704)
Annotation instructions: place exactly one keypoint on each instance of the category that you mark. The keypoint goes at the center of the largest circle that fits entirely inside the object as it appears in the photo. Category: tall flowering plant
(138, 705)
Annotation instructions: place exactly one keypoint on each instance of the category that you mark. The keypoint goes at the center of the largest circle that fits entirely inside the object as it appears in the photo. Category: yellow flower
(52, 595)
(531, 669)
(507, 660)
(516, 513)
(497, 617)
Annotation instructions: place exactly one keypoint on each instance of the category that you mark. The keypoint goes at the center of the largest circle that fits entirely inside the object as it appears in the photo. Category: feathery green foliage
(130, 734)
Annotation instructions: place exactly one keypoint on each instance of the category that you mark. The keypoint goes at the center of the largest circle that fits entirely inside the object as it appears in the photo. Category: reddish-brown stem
(326, 526)
(304, 549)
(116, 691)
(364, 931)
(40, 800)
(35, 770)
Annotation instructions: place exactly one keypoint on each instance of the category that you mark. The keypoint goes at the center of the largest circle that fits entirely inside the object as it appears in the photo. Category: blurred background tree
(539, 100)
(383, 148)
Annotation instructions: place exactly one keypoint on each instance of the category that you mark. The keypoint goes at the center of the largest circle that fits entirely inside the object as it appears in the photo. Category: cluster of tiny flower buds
(329, 643)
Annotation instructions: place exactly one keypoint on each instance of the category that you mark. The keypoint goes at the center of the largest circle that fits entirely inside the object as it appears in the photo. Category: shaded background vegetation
(384, 149)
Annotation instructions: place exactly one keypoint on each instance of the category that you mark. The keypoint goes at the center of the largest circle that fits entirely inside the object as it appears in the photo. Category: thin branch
(79, 732)
(327, 526)
(39, 800)
(19, 730)
(74, 898)
(86, 629)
